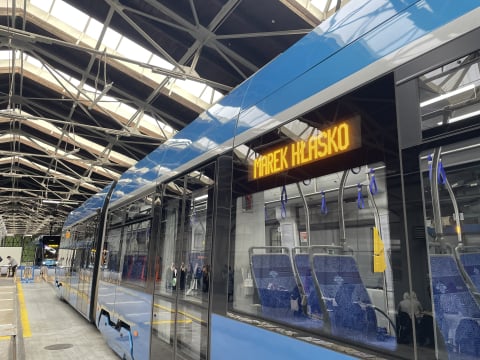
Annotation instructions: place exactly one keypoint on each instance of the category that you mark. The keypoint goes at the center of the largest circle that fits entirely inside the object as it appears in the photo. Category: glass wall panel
(303, 260)
(450, 178)
(317, 235)
(182, 285)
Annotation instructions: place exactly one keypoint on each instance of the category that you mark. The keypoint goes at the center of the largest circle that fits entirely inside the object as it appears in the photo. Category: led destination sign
(337, 139)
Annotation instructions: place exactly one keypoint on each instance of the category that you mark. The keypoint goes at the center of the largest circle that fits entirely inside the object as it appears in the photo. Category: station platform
(36, 325)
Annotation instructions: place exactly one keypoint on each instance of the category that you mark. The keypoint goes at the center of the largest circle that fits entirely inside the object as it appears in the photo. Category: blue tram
(329, 206)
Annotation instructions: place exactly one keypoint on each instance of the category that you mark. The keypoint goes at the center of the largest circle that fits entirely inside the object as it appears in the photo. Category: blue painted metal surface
(88, 208)
(132, 307)
(234, 340)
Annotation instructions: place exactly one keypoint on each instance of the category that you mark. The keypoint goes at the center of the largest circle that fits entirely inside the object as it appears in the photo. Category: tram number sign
(337, 139)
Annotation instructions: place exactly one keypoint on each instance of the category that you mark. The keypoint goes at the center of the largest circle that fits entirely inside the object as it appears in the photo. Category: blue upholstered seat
(349, 307)
(275, 281)
(302, 263)
(456, 312)
(471, 264)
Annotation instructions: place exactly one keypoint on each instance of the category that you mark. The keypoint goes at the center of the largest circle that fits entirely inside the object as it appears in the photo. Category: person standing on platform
(13, 265)
(183, 273)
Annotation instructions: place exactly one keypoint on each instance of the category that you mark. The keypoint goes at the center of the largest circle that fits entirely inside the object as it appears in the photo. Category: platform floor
(47, 328)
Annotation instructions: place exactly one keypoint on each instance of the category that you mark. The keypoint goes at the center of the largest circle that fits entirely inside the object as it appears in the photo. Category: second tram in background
(46, 250)
(329, 203)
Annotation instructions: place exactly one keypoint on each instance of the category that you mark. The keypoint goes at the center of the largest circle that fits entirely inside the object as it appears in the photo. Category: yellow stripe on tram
(180, 312)
(158, 322)
(23, 312)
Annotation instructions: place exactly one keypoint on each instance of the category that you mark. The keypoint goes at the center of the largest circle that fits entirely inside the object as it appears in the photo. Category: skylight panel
(33, 61)
(206, 94)
(64, 11)
(193, 87)
(210, 95)
(126, 110)
(321, 5)
(5, 55)
(94, 28)
(44, 5)
(134, 51)
(160, 62)
(147, 119)
(112, 38)
(75, 82)
(89, 88)
(62, 75)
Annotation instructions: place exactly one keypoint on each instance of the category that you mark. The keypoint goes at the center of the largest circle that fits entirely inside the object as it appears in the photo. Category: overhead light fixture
(464, 116)
(15, 175)
(46, 201)
(448, 95)
(201, 197)
(69, 202)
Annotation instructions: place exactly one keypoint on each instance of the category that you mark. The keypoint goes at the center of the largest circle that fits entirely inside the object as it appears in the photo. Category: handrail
(437, 215)
(436, 173)
(341, 214)
(307, 213)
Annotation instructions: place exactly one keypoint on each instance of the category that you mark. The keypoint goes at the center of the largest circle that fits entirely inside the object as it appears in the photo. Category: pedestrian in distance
(13, 265)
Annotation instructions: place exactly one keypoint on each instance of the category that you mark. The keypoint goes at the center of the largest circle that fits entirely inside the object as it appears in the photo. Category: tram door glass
(123, 278)
(451, 184)
(183, 267)
(82, 264)
(87, 250)
(66, 252)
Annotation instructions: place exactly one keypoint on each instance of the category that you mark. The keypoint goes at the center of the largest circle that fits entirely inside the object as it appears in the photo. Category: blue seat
(350, 310)
(467, 337)
(471, 265)
(456, 311)
(302, 263)
(275, 282)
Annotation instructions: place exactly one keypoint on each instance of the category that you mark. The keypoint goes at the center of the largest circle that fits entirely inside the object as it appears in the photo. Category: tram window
(125, 252)
(312, 234)
(111, 254)
(450, 178)
(136, 252)
(82, 240)
(449, 95)
(285, 235)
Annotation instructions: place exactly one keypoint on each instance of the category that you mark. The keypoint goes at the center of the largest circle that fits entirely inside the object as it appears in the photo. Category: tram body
(299, 215)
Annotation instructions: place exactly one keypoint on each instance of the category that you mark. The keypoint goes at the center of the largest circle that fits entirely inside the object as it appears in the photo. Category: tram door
(182, 267)
(451, 197)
